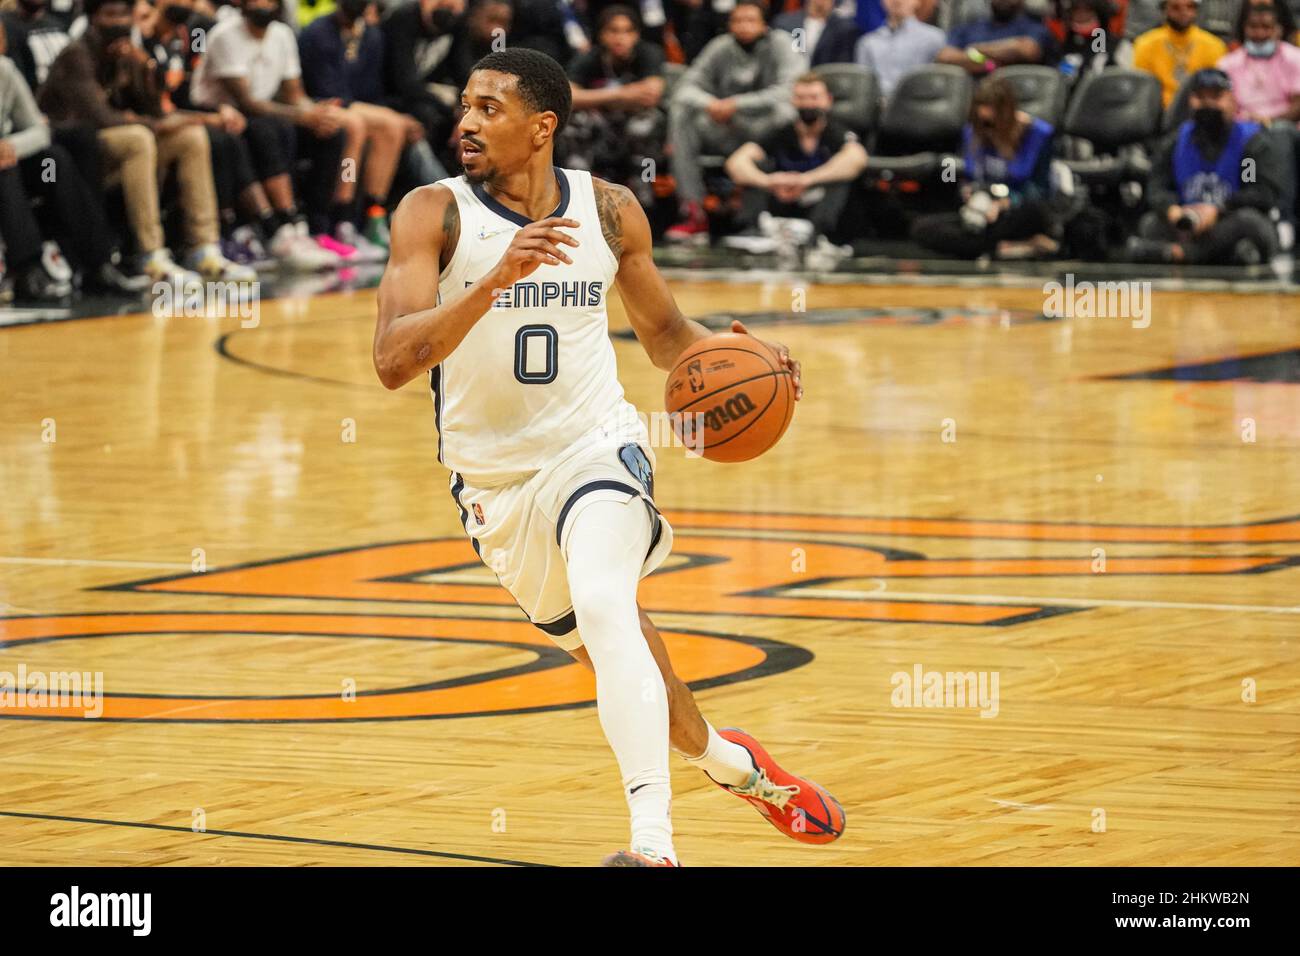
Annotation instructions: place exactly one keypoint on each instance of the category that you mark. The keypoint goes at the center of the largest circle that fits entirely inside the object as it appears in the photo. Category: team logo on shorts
(478, 513)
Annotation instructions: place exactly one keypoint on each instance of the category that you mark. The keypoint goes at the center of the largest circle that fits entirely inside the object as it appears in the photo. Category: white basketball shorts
(520, 529)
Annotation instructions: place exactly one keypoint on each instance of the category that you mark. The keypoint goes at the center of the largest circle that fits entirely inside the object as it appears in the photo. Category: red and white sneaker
(636, 858)
(797, 807)
(694, 227)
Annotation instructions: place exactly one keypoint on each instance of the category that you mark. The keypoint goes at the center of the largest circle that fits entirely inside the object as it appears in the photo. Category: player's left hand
(792, 364)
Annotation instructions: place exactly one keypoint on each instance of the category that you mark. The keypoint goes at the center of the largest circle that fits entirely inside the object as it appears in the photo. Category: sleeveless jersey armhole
(458, 254)
(600, 229)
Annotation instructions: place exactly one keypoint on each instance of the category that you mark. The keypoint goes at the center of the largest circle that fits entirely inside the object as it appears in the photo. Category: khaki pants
(140, 161)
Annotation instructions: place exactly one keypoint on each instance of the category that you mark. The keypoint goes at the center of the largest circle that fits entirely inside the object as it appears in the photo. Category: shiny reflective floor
(1017, 589)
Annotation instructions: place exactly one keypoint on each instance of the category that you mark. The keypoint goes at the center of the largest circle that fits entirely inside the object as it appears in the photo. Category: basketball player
(496, 288)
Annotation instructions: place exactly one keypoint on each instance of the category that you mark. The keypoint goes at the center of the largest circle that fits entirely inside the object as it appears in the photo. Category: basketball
(729, 398)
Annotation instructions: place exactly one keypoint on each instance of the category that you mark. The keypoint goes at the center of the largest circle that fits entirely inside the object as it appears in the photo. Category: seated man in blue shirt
(898, 46)
(343, 60)
(1009, 36)
(1212, 185)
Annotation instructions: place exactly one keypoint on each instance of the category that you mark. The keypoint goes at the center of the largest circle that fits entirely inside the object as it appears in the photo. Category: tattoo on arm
(610, 201)
(450, 231)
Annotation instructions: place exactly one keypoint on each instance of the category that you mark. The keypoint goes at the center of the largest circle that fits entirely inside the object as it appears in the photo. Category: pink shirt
(1264, 87)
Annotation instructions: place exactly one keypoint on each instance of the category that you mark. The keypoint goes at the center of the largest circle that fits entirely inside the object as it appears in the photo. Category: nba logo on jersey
(478, 513)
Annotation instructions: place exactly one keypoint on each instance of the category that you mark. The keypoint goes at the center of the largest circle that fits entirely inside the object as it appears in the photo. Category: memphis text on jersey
(526, 294)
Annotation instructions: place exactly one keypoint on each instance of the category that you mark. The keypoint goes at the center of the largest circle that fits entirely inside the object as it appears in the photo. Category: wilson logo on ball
(735, 409)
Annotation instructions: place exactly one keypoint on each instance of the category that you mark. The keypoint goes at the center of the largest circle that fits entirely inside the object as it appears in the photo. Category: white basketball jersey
(537, 371)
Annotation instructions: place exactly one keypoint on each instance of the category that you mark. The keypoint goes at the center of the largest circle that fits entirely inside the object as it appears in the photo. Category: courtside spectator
(252, 65)
(1212, 185)
(102, 80)
(487, 25)
(418, 36)
(1007, 210)
(616, 128)
(23, 136)
(47, 35)
(1265, 74)
(737, 90)
(1265, 70)
(898, 46)
(172, 38)
(19, 50)
(1286, 19)
(73, 208)
(1177, 49)
(826, 36)
(804, 169)
(1007, 36)
(343, 61)
(1089, 45)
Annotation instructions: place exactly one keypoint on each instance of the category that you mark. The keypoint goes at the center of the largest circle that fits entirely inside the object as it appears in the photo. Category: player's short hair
(810, 77)
(763, 9)
(543, 85)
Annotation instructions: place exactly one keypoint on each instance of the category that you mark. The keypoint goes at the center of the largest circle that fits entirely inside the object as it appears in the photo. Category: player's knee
(595, 601)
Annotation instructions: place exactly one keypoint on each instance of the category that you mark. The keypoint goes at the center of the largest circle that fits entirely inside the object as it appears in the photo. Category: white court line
(1039, 599)
(1012, 805)
(92, 563)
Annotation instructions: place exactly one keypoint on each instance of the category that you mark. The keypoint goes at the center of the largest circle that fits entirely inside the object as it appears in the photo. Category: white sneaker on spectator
(295, 249)
(211, 264)
(55, 264)
(826, 255)
(367, 251)
(159, 266)
(749, 242)
(1286, 236)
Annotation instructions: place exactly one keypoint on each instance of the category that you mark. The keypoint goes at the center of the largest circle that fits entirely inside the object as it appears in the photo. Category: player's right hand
(538, 243)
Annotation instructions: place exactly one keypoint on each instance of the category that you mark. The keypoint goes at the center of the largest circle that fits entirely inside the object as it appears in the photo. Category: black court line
(274, 837)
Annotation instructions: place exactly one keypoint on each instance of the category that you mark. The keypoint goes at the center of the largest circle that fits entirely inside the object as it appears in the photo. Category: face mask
(1261, 50)
(111, 34)
(810, 114)
(260, 17)
(177, 15)
(353, 9)
(443, 20)
(1210, 123)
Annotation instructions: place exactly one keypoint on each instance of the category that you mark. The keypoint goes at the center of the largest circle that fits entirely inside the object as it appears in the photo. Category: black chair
(1040, 90)
(856, 93)
(922, 122)
(1116, 113)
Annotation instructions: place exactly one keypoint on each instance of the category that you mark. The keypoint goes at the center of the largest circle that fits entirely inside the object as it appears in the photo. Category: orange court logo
(714, 572)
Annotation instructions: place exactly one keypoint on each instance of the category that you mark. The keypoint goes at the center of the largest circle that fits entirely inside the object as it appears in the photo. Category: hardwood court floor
(974, 490)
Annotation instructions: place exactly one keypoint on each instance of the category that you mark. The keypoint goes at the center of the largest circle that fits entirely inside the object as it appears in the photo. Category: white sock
(724, 761)
(604, 553)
